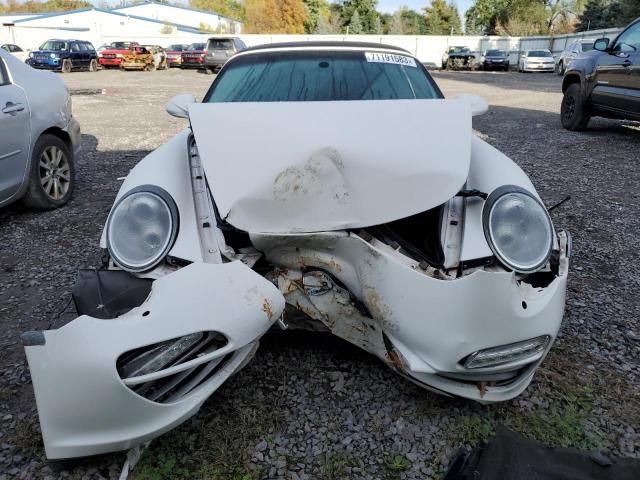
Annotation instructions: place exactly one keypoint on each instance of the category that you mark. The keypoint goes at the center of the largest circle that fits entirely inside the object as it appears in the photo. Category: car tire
(51, 174)
(93, 66)
(574, 111)
(560, 68)
(67, 66)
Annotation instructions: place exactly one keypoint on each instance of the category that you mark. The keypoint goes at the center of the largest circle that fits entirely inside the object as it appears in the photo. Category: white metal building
(184, 16)
(149, 22)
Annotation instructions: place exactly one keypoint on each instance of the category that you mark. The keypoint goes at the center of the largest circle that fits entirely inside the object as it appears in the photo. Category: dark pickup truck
(604, 81)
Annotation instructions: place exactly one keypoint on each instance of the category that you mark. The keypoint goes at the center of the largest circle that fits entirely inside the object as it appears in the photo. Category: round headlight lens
(518, 229)
(141, 228)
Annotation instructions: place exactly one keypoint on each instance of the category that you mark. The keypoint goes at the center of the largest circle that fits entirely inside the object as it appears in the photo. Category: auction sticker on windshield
(380, 57)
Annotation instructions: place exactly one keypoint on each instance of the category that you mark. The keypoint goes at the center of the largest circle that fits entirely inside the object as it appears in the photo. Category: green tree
(412, 22)
(315, 10)
(226, 8)
(395, 25)
(377, 26)
(442, 18)
(366, 11)
(355, 26)
(323, 26)
(607, 13)
(484, 16)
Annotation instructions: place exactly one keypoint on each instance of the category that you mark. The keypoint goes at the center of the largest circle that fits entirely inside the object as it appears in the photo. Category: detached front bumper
(101, 385)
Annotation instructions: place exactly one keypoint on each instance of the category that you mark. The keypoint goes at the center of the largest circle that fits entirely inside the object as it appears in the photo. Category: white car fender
(489, 170)
(168, 167)
(85, 405)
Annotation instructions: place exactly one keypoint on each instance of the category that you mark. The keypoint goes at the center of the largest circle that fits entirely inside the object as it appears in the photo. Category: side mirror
(478, 104)
(178, 106)
(601, 44)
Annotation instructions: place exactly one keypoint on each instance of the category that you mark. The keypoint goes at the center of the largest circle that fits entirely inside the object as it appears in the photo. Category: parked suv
(571, 51)
(219, 50)
(604, 82)
(65, 55)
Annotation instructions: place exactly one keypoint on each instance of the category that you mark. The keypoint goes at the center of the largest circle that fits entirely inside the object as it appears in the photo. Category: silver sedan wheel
(55, 172)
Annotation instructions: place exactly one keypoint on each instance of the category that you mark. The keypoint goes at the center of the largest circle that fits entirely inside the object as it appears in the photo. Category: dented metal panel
(326, 166)
(87, 406)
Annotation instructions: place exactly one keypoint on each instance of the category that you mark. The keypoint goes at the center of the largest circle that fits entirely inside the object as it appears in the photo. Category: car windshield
(539, 53)
(220, 44)
(176, 48)
(55, 45)
(196, 46)
(321, 76)
(120, 45)
(459, 50)
(495, 53)
(586, 46)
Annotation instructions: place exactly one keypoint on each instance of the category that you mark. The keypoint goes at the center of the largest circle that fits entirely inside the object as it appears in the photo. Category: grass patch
(214, 445)
(562, 424)
(334, 467)
(475, 430)
(397, 463)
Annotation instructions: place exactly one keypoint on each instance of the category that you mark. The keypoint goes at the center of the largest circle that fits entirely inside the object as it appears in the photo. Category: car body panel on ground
(133, 407)
(604, 81)
(32, 104)
(540, 60)
(383, 268)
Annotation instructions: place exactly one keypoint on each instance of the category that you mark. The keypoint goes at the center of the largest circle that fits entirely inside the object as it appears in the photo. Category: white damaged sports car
(319, 185)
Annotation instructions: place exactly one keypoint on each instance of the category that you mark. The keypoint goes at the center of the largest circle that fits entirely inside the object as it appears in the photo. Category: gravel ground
(310, 405)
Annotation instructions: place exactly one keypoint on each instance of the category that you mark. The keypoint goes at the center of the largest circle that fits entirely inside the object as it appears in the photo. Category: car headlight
(53, 55)
(30, 54)
(119, 55)
(518, 228)
(141, 228)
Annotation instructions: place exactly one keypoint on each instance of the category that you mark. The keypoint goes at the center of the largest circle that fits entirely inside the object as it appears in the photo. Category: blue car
(64, 56)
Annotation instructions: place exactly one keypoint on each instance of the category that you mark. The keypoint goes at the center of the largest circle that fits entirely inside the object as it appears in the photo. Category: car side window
(82, 47)
(16, 48)
(4, 76)
(629, 41)
(75, 47)
(90, 47)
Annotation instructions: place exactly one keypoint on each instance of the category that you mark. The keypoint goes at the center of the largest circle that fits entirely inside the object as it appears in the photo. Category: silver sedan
(39, 138)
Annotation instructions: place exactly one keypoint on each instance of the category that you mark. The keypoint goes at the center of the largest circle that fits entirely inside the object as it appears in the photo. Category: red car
(193, 57)
(174, 54)
(112, 56)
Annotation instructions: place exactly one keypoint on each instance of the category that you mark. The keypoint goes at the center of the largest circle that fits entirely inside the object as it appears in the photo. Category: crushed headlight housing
(513, 352)
(141, 228)
(518, 228)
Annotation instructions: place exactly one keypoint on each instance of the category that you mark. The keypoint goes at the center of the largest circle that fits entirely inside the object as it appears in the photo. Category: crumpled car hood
(290, 167)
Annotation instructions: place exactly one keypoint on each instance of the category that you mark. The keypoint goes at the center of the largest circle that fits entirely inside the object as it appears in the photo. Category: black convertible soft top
(325, 44)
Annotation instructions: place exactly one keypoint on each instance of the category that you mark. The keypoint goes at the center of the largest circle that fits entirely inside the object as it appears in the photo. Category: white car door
(14, 134)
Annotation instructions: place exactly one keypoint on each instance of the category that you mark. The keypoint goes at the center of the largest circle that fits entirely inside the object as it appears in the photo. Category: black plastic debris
(510, 456)
(108, 293)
